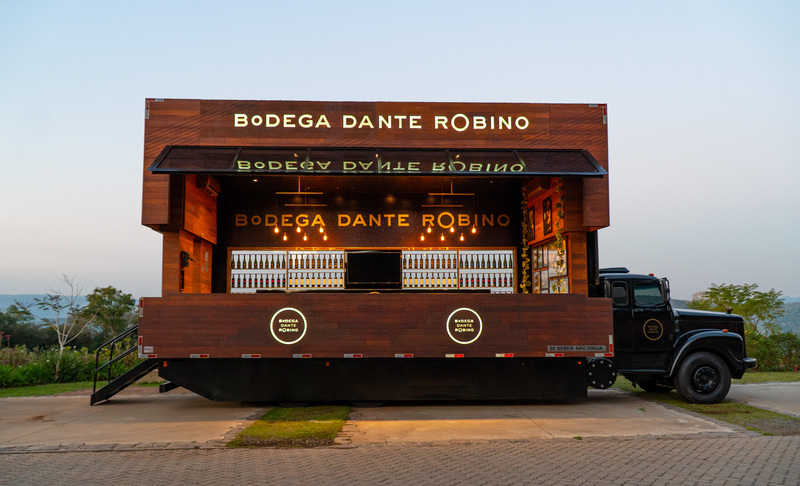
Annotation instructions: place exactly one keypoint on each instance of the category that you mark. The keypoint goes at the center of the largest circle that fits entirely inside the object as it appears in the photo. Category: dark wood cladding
(210, 122)
(374, 325)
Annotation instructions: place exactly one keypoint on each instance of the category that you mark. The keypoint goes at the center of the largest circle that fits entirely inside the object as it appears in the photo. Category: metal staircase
(115, 384)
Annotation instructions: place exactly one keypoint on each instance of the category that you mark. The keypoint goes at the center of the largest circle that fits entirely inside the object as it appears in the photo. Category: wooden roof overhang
(176, 159)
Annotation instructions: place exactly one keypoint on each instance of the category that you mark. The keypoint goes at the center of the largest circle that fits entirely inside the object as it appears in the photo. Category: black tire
(653, 386)
(703, 378)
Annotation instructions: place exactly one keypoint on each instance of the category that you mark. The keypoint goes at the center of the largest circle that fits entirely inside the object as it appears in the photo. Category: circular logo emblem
(288, 325)
(464, 326)
(653, 330)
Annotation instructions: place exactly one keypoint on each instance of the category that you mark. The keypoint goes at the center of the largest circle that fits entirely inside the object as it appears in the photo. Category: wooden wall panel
(375, 325)
(200, 211)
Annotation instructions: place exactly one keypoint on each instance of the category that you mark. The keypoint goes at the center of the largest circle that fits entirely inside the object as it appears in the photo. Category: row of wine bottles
(414, 280)
(280, 260)
(294, 280)
(448, 260)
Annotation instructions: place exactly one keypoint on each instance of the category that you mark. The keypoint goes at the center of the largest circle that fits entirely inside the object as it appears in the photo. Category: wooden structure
(491, 208)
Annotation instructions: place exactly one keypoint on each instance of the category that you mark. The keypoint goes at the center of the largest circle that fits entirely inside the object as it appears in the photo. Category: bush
(40, 368)
(776, 352)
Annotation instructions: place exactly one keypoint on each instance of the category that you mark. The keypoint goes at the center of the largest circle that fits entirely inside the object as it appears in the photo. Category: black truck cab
(659, 348)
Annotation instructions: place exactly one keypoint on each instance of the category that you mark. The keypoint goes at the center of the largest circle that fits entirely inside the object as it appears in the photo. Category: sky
(703, 114)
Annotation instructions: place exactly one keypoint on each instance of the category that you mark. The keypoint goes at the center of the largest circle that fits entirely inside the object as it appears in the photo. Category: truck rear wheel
(703, 378)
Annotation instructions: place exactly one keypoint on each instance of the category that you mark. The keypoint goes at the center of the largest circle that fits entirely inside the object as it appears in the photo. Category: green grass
(42, 390)
(769, 377)
(55, 388)
(294, 427)
(751, 418)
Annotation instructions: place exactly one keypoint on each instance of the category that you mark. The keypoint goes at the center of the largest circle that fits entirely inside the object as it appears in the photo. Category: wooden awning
(370, 161)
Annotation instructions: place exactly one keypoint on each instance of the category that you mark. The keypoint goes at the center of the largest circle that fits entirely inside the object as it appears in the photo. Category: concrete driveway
(778, 397)
(607, 413)
(140, 418)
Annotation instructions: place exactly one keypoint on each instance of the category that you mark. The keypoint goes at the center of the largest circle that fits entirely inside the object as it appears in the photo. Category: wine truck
(376, 251)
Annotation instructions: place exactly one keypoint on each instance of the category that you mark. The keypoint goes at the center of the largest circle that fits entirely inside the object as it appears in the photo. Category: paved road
(603, 462)
(779, 397)
(707, 453)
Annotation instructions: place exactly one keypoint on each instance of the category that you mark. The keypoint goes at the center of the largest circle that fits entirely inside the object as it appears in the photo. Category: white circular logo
(288, 325)
(464, 325)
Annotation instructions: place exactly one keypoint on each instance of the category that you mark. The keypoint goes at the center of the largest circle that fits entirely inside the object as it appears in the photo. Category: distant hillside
(25, 299)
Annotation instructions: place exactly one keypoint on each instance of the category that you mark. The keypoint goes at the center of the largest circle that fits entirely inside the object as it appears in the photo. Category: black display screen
(380, 269)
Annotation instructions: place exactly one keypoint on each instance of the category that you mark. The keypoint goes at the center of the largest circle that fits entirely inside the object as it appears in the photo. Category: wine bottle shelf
(254, 270)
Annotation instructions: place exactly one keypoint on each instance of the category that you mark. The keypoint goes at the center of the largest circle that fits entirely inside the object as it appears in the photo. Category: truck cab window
(619, 294)
(647, 294)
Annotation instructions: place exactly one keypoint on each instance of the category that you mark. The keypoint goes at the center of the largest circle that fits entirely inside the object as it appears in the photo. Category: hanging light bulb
(461, 238)
(442, 238)
(305, 237)
(298, 229)
(428, 229)
(474, 230)
(285, 237)
(422, 237)
(452, 229)
(277, 230)
(325, 237)
(321, 229)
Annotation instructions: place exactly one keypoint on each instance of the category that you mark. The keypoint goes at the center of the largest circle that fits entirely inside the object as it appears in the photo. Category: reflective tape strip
(603, 355)
(198, 356)
(301, 355)
(150, 356)
(404, 355)
(554, 355)
(353, 355)
(504, 355)
(459, 355)
(251, 356)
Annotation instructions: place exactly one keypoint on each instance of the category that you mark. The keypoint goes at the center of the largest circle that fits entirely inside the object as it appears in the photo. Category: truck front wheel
(703, 378)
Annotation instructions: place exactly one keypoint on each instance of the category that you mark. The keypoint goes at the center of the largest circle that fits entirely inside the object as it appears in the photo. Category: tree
(114, 310)
(18, 322)
(760, 310)
(74, 322)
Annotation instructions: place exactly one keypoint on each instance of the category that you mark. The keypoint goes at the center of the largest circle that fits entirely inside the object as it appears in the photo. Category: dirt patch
(249, 441)
(776, 426)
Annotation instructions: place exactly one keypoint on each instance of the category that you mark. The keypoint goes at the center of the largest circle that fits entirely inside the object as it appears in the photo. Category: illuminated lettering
(402, 219)
(438, 167)
(359, 220)
(240, 120)
(240, 220)
(286, 220)
(318, 221)
(459, 116)
(255, 220)
(344, 220)
(478, 122)
(256, 120)
(305, 121)
(384, 121)
(365, 121)
(243, 164)
(323, 120)
(389, 218)
(521, 122)
(447, 214)
(347, 165)
(439, 121)
(400, 119)
(413, 121)
(288, 120)
(273, 120)
(463, 220)
(427, 220)
(376, 219)
(503, 220)
(348, 121)
(302, 220)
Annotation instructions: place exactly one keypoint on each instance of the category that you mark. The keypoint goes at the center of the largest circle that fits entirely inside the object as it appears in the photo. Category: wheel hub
(705, 379)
